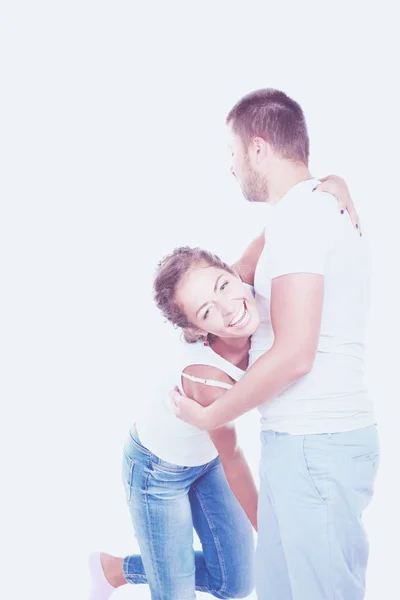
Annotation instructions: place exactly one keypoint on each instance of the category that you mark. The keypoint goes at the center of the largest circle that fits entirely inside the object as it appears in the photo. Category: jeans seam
(216, 542)
(130, 481)
(149, 537)
(135, 578)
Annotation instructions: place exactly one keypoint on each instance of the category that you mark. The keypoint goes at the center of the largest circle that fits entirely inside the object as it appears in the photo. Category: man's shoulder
(309, 216)
(313, 198)
(309, 206)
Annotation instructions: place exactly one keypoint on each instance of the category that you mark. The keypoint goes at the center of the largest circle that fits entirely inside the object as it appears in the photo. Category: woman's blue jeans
(166, 502)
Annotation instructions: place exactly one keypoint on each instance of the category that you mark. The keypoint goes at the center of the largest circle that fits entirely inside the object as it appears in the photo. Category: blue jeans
(166, 502)
(313, 490)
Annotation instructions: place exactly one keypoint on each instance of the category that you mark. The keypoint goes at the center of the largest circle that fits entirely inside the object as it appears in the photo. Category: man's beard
(254, 186)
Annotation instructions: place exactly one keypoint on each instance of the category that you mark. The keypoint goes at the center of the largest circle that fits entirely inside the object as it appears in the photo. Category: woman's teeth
(239, 318)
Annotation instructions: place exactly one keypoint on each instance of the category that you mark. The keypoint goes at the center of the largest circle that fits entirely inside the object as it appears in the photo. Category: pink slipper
(101, 589)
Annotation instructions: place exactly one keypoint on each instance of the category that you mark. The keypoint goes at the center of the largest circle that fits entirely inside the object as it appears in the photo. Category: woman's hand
(189, 410)
(335, 185)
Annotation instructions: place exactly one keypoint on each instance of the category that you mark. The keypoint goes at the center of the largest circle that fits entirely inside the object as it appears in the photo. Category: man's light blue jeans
(313, 490)
(166, 502)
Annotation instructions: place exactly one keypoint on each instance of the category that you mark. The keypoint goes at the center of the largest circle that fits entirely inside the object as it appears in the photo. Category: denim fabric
(166, 502)
(313, 490)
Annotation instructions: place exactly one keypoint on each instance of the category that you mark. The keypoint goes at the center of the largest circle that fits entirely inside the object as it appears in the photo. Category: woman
(213, 491)
(177, 477)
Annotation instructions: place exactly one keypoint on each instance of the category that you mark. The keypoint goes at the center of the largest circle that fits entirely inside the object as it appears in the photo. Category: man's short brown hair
(273, 116)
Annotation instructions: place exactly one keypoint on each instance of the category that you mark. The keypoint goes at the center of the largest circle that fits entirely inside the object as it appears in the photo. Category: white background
(112, 153)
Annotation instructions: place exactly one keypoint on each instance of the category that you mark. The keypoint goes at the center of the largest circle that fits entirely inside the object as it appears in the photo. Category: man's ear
(259, 148)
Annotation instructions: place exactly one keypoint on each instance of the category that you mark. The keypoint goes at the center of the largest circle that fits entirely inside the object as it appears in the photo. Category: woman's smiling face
(217, 302)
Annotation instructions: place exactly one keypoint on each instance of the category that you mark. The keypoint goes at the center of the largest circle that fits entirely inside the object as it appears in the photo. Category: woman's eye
(206, 314)
(223, 286)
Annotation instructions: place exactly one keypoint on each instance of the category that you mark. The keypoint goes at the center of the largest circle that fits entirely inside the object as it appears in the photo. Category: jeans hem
(135, 579)
(132, 577)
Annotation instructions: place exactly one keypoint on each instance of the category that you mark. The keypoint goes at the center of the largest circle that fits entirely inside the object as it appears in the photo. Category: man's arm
(297, 249)
(296, 311)
(237, 471)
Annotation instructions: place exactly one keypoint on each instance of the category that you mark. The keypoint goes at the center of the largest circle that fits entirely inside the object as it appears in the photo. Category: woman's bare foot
(112, 568)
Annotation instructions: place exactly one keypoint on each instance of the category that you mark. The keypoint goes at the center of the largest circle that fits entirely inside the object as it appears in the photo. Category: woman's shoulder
(202, 361)
(205, 383)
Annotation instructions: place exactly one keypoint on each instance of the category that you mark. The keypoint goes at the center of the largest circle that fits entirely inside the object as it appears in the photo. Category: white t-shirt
(161, 431)
(306, 233)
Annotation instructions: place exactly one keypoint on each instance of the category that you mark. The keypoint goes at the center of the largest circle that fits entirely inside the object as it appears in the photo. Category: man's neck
(286, 175)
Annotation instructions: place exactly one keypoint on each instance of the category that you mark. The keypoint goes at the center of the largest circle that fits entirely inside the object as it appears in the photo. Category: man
(320, 449)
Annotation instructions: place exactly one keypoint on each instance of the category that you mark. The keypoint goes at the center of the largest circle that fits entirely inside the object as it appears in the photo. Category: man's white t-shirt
(306, 233)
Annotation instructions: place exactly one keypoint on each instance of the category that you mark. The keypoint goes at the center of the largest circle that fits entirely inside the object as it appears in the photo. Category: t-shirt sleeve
(302, 236)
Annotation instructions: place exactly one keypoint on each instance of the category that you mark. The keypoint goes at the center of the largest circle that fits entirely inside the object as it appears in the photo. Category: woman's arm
(246, 265)
(336, 186)
(237, 471)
